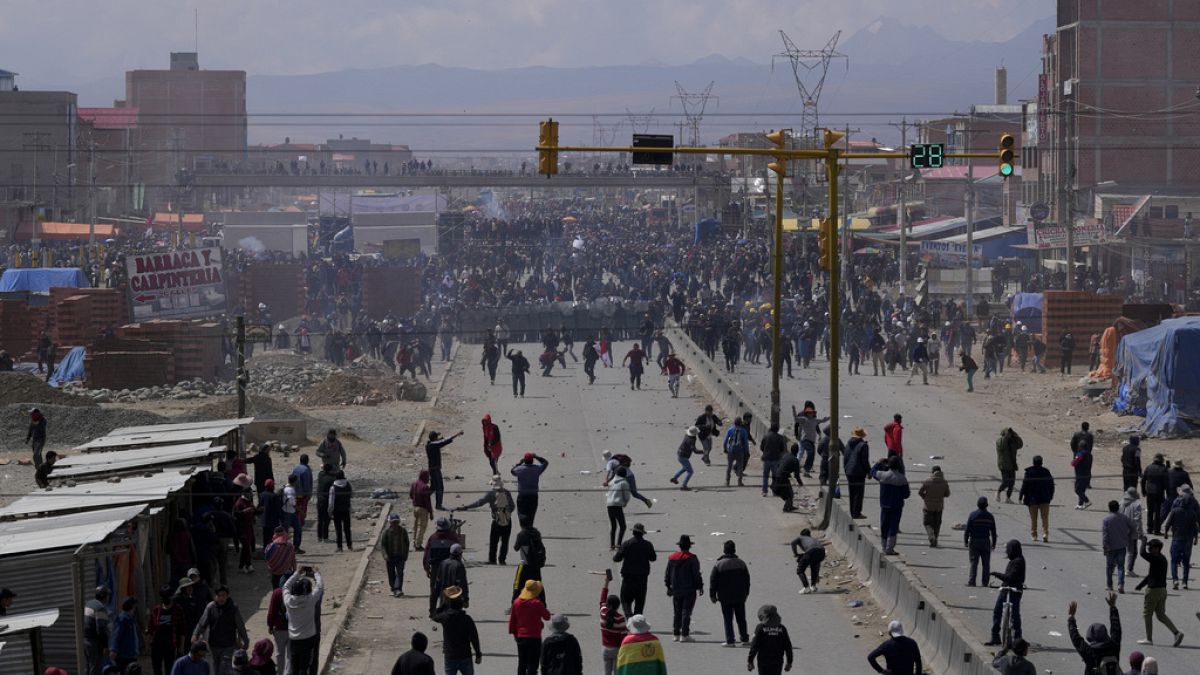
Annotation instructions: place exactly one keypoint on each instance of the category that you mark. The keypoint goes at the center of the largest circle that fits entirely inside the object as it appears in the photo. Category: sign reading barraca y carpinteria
(176, 285)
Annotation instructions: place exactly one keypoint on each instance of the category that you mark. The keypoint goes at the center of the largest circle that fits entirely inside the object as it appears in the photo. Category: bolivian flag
(641, 654)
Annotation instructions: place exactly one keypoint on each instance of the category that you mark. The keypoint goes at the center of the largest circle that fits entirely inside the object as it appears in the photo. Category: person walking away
(500, 502)
(967, 365)
(773, 447)
(167, 630)
(280, 557)
(1066, 348)
(277, 624)
(415, 661)
(709, 425)
(933, 493)
(1131, 508)
(302, 600)
(858, 467)
(304, 488)
(1155, 585)
(433, 455)
(460, 636)
(532, 549)
(324, 483)
(737, 451)
(893, 490)
(612, 626)
(437, 550)
(805, 426)
(1101, 650)
(560, 652)
(617, 498)
(331, 450)
(590, 356)
(1037, 491)
(36, 436)
(340, 495)
(1131, 462)
(1155, 482)
(96, 628)
(528, 477)
(979, 537)
(635, 556)
(394, 546)
(1182, 526)
(126, 641)
(687, 448)
(729, 584)
(520, 366)
(288, 507)
(900, 653)
(673, 368)
(809, 553)
(1006, 460)
(525, 625)
(222, 626)
(641, 653)
(771, 644)
(685, 583)
(421, 497)
(1012, 587)
(1117, 535)
(1011, 659)
(920, 362)
(492, 447)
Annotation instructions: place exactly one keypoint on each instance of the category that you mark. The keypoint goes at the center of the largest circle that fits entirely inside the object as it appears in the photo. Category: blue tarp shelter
(42, 279)
(70, 369)
(1158, 371)
(1027, 308)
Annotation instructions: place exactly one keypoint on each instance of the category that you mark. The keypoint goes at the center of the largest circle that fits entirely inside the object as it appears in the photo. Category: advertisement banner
(176, 285)
(948, 253)
(1046, 236)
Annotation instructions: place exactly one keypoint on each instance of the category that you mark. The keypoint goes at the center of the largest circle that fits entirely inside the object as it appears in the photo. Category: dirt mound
(73, 424)
(342, 389)
(17, 387)
(256, 406)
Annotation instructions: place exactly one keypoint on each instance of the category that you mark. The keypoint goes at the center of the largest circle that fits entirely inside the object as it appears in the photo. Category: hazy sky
(80, 40)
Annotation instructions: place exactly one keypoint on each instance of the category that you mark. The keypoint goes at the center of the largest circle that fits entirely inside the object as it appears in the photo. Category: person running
(806, 425)
(729, 584)
(709, 425)
(500, 502)
(492, 447)
(433, 455)
(590, 356)
(520, 366)
(525, 622)
(612, 462)
(1037, 492)
(900, 653)
(771, 644)
(635, 555)
(673, 368)
(641, 653)
(612, 626)
(1101, 650)
(1006, 461)
(893, 491)
(933, 493)
(636, 360)
(683, 454)
(617, 498)
(1012, 583)
(528, 477)
(809, 553)
(979, 537)
(737, 451)
(685, 583)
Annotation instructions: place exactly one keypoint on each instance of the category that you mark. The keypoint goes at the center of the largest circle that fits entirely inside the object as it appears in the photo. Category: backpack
(623, 460)
(439, 550)
(1109, 665)
(535, 553)
(731, 442)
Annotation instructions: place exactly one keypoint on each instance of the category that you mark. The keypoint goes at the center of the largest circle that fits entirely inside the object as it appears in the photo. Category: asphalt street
(570, 423)
(942, 420)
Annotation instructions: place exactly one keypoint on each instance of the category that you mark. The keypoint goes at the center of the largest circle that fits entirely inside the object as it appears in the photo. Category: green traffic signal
(1006, 170)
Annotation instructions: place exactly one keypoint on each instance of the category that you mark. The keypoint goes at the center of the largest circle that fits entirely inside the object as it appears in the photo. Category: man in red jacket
(525, 625)
(893, 435)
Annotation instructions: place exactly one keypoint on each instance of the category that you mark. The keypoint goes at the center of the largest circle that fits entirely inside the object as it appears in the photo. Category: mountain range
(892, 69)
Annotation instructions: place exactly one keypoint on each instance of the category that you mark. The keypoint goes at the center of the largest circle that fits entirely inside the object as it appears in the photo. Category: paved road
(570, 423)
(941, 419)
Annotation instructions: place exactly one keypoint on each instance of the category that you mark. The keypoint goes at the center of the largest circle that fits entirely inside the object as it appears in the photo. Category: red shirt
(893, 437)
(611, 637)
(673, 366)
(526, 618)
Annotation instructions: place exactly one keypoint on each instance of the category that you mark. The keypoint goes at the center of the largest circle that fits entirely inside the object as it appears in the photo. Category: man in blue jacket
(893, 490)
(980, 539)
(858, 465)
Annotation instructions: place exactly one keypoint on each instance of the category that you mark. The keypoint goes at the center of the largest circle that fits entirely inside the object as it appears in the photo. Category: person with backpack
(533, 558)
(737, 451)
(635, 556)
(499, 500)
(1101, 649)
(437, 549)
(685, 583)
(617, 498)
(1006, 460)
(452, 573)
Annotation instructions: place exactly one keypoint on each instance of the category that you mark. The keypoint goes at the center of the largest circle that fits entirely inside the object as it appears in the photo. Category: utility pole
(38, 144)
(902, 208)
(242, 378)
(92, 192)
(847, 240)
(1066, 195)
(969, 196)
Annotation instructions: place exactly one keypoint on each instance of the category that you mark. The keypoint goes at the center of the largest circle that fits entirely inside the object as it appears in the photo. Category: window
(1156, 212)
(1172, 212)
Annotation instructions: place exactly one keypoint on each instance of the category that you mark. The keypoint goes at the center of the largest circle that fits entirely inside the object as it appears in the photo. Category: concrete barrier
(946, 644)
(292, 432)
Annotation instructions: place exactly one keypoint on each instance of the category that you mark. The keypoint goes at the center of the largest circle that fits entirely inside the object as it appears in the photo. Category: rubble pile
(342, 389)
(75, 424)
(18, 387)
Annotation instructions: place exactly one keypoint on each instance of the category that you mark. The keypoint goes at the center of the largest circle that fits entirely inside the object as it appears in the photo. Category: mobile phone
(608, 575)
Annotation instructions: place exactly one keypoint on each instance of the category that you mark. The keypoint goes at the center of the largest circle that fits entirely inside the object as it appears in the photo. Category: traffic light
(832, 137)
(547, 138)
(826, 240)
(779, 140)
(1006, 155)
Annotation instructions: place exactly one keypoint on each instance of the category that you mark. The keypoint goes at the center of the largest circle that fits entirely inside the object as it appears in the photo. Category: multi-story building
(38, 154)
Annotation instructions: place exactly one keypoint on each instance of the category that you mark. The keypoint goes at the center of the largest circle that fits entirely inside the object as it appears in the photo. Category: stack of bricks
(195, 345)
(129, 364)
(280, 286)
(20, 327)
(80, 315)
(1081, 313)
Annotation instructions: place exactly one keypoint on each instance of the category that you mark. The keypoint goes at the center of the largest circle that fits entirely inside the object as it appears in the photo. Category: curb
(437, 392)
(946, 644)
(329, 640)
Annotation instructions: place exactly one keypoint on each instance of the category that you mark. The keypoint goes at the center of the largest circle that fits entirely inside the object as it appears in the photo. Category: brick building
(38, 154)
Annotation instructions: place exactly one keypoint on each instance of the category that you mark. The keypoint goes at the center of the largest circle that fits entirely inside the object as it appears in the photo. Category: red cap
(269, 483)
(528, 457)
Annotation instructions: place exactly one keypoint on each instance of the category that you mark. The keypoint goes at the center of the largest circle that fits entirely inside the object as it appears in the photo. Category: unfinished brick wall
(1079, 312)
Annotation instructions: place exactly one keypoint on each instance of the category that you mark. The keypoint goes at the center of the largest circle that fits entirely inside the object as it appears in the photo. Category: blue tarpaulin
(42, 279)
(1027, 308)
(70, 369)
(1158, 371)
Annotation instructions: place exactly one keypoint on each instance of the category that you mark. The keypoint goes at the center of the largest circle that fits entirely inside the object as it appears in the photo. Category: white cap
(895, 629)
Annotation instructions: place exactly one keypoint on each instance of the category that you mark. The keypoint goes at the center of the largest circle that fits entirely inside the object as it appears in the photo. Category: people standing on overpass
(900, 653)
(1012, 583)
(528, 478)
(520, 366)
(635, 555)
(893, 491)
(532, 550)
(1037, 491)
(979, 537)
(499, 500)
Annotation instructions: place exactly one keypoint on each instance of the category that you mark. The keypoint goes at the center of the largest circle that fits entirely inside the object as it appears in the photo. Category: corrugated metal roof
(163, 434)
(69, 531)
(94, 495)
(922, 231)
(15, 623)
(140, 458)
(180, 426)
(983, 235)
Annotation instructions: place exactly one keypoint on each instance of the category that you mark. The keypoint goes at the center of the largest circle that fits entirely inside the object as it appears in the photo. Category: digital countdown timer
(926, 156)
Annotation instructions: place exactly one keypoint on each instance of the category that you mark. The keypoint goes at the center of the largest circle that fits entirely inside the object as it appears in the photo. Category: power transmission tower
(809, 67)
(605, 134)
(640, 123)
(693, 109)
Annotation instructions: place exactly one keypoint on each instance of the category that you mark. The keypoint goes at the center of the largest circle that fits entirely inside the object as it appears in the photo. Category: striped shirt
(611, 637)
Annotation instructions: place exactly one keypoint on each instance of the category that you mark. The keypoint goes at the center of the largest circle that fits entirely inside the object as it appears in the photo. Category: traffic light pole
(777, 300)
(835, 313)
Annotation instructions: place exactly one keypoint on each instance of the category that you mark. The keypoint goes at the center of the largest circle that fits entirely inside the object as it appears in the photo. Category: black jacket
(774, 447)
(729, 580)
(1131, 460)
(561, 655)
(413, 662)
(1037, 486)
(683, 576)
(459, 633)
(1154, 479)
(1014, 574)
(635, 556)
(858, 460)
(1100, 643)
